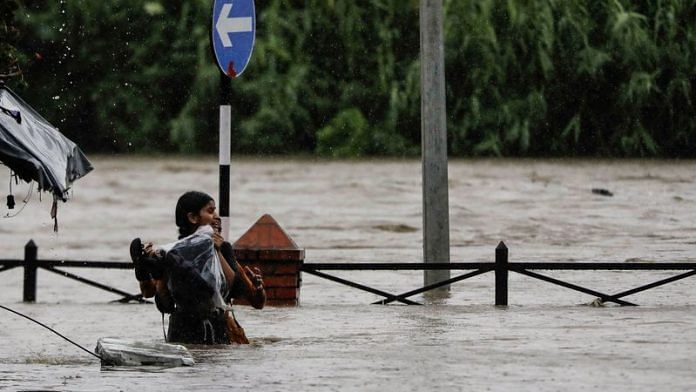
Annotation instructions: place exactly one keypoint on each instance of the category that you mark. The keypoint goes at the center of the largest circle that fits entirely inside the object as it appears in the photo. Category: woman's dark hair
(191, 201)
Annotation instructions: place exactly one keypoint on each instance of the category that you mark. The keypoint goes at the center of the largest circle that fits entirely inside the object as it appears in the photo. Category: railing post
(501, 274)
(30, 253)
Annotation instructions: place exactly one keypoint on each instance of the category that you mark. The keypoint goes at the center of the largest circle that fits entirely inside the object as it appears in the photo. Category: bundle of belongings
(198, 302)
(199, 294)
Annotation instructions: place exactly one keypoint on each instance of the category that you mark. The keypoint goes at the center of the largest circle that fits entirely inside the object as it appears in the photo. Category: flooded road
(547, 339)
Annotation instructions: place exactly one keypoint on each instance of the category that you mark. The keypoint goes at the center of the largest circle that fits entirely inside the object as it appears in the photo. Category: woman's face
(206, 216)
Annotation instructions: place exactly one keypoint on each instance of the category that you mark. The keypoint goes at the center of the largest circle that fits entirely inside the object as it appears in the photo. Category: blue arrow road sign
(234, 30)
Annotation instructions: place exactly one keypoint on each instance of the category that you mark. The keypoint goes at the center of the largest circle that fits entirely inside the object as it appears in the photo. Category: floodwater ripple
(547, 339)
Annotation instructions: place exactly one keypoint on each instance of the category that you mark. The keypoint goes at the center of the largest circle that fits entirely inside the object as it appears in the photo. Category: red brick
(280, 281)
(283, 293)
(271, 302)
(269, 248)
(273, 268)
(269, 254)
(283, 302)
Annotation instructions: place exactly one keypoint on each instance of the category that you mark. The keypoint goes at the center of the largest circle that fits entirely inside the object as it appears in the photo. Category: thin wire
(50, 329)
(163, 331)
(25, 201)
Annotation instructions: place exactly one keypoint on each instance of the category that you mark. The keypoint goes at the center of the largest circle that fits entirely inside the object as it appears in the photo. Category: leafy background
(341, 77)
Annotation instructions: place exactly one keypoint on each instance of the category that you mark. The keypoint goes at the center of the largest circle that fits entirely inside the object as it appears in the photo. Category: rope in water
(50, 329)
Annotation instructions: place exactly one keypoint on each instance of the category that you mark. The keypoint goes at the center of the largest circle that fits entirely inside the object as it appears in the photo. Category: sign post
(233, 34)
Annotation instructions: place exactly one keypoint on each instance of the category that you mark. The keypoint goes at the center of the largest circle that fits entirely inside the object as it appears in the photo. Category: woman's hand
(235, 332)
(217, 240)
(217, 225)
(254, 282)
(149, 249)
(255, 277)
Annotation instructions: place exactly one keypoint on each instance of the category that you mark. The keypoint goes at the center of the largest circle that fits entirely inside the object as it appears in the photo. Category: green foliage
(9, 56)
(571, 77)
(347, 134)
(322, 69)
(341, 77)
(118, 75)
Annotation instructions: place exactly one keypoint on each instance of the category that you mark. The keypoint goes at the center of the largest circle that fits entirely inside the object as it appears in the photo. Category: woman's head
(194, 209)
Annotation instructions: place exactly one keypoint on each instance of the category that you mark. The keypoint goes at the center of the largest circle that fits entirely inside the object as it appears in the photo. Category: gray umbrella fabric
(35, 150)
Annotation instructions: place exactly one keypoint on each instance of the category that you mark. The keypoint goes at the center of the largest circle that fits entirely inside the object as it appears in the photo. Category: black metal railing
(32, 263)
(501, 267)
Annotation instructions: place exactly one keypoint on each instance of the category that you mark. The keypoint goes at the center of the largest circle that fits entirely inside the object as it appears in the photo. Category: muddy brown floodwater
(360, 211)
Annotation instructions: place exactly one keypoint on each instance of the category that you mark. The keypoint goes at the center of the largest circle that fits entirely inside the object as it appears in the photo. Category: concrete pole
(434, 141)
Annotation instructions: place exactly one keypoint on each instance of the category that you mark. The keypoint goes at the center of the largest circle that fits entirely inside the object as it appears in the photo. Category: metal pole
(224, 155)
(434, 142)
(30, 253)
(501, 274)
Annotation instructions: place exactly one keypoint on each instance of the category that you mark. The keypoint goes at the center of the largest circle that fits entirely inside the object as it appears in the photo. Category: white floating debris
(123, 352)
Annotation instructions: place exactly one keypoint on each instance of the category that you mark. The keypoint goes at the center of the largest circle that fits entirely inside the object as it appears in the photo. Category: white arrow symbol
(226, 25)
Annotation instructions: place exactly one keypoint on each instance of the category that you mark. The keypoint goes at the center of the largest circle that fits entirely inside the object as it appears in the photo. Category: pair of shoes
(146, 267)
(137, 254)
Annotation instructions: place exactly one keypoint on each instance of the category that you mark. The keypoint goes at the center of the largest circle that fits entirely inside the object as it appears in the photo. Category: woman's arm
(253, 286)
(224, 255)
(250, 281)
(163, 299)
(148, 288)
(226, 269)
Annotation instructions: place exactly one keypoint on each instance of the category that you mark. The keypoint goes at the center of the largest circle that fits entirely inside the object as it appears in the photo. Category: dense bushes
(572, 77)
(9, 56)
(341, 77)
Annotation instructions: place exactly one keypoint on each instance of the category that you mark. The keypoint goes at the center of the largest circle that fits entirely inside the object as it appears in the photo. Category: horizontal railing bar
(72, 263)
(393, 266)
(401, 266)
(602, 266)
(85, 264)
(517, 265)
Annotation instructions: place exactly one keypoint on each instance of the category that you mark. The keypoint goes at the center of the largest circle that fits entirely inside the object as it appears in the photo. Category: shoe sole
(136, 250)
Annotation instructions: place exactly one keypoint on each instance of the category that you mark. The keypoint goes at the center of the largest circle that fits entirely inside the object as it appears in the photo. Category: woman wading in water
(195, 282)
